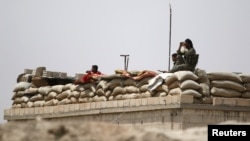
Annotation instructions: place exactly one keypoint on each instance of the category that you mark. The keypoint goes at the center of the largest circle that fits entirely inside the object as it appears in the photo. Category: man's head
(94, 68)
(189, 43)
(174, 57)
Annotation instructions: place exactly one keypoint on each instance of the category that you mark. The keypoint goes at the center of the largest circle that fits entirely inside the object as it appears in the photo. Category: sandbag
(31, 90)
(103, 84)
(44, 90)
(57, 88)
(227, 84)
(143, 88)
(83, 100)
(202, 75)
(100, 92)
(205, 89)
(224, 76)
(39, 103)
(191, 92)
(114, 83)
(186, 75)
(36, 98)
(162, 88)
(245, 78)
(51, 102)
(129, 82)
(64, 101)
(221, 92)
(131, 96)
(118, 90)
(145, 94)
(50, 96)
(246, 94)
(21, 86)
(76, 94)
(171, 79)
(131, 89)
(143, 81)
(189, 84)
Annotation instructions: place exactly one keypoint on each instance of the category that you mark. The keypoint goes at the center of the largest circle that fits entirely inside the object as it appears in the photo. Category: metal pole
(170, 26)
(125, 62)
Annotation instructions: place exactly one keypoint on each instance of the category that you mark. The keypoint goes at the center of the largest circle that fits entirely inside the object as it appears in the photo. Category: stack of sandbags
(225, 84)
(204, 83)
(20, 98)
(118, 87)
(183, 83)
(88, 93)
(246, 83)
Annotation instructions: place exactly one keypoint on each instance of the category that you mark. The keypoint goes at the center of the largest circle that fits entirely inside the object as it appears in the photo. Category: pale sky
(71, 35)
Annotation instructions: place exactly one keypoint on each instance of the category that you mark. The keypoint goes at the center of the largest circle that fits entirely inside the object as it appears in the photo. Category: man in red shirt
(91, 75)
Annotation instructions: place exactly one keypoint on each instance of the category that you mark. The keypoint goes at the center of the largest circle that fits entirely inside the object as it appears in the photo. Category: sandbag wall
(202, 85)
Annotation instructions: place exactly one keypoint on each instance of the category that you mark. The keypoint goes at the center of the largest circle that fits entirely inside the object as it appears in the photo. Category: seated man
(91, 75)
(187, 58)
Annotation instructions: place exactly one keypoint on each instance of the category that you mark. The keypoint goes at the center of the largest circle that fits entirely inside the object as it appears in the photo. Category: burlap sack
(162, 88)
(76, 94)
(44, 90)
(114, 83)
(51, 102)
(145, 94)
(161, 94)
(73, 100)
(63, 95)
(174, 84)
(175, 91)
(83, 100)
(90, 86)
(118, 90)
(19, 100)
(21, 86)
(64, 101)
(192, 92)
(29, 104)
(205, 89)
(170, 79)
(37, 97)
(39, 103)
(224, 76)
(57, 88)
(247, 86)
(227, 84)
(189, 84)
(100, 92)
(118, 97)
(143, 88)
(143, 81)
(108, 93)
(202, 75)
(131, 96)
(103, 84)
(221, 92)
(51, 95)
(99, 98)
(131, 89)
(80, 88)
(186, 75)
(246, 94)
(245, 78)
(31, 90)
(129, 82)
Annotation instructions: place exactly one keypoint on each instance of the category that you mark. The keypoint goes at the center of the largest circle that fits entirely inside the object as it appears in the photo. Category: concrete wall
(167, 113)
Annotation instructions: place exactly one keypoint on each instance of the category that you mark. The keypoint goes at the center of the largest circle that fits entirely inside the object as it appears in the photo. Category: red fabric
(89, 75)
